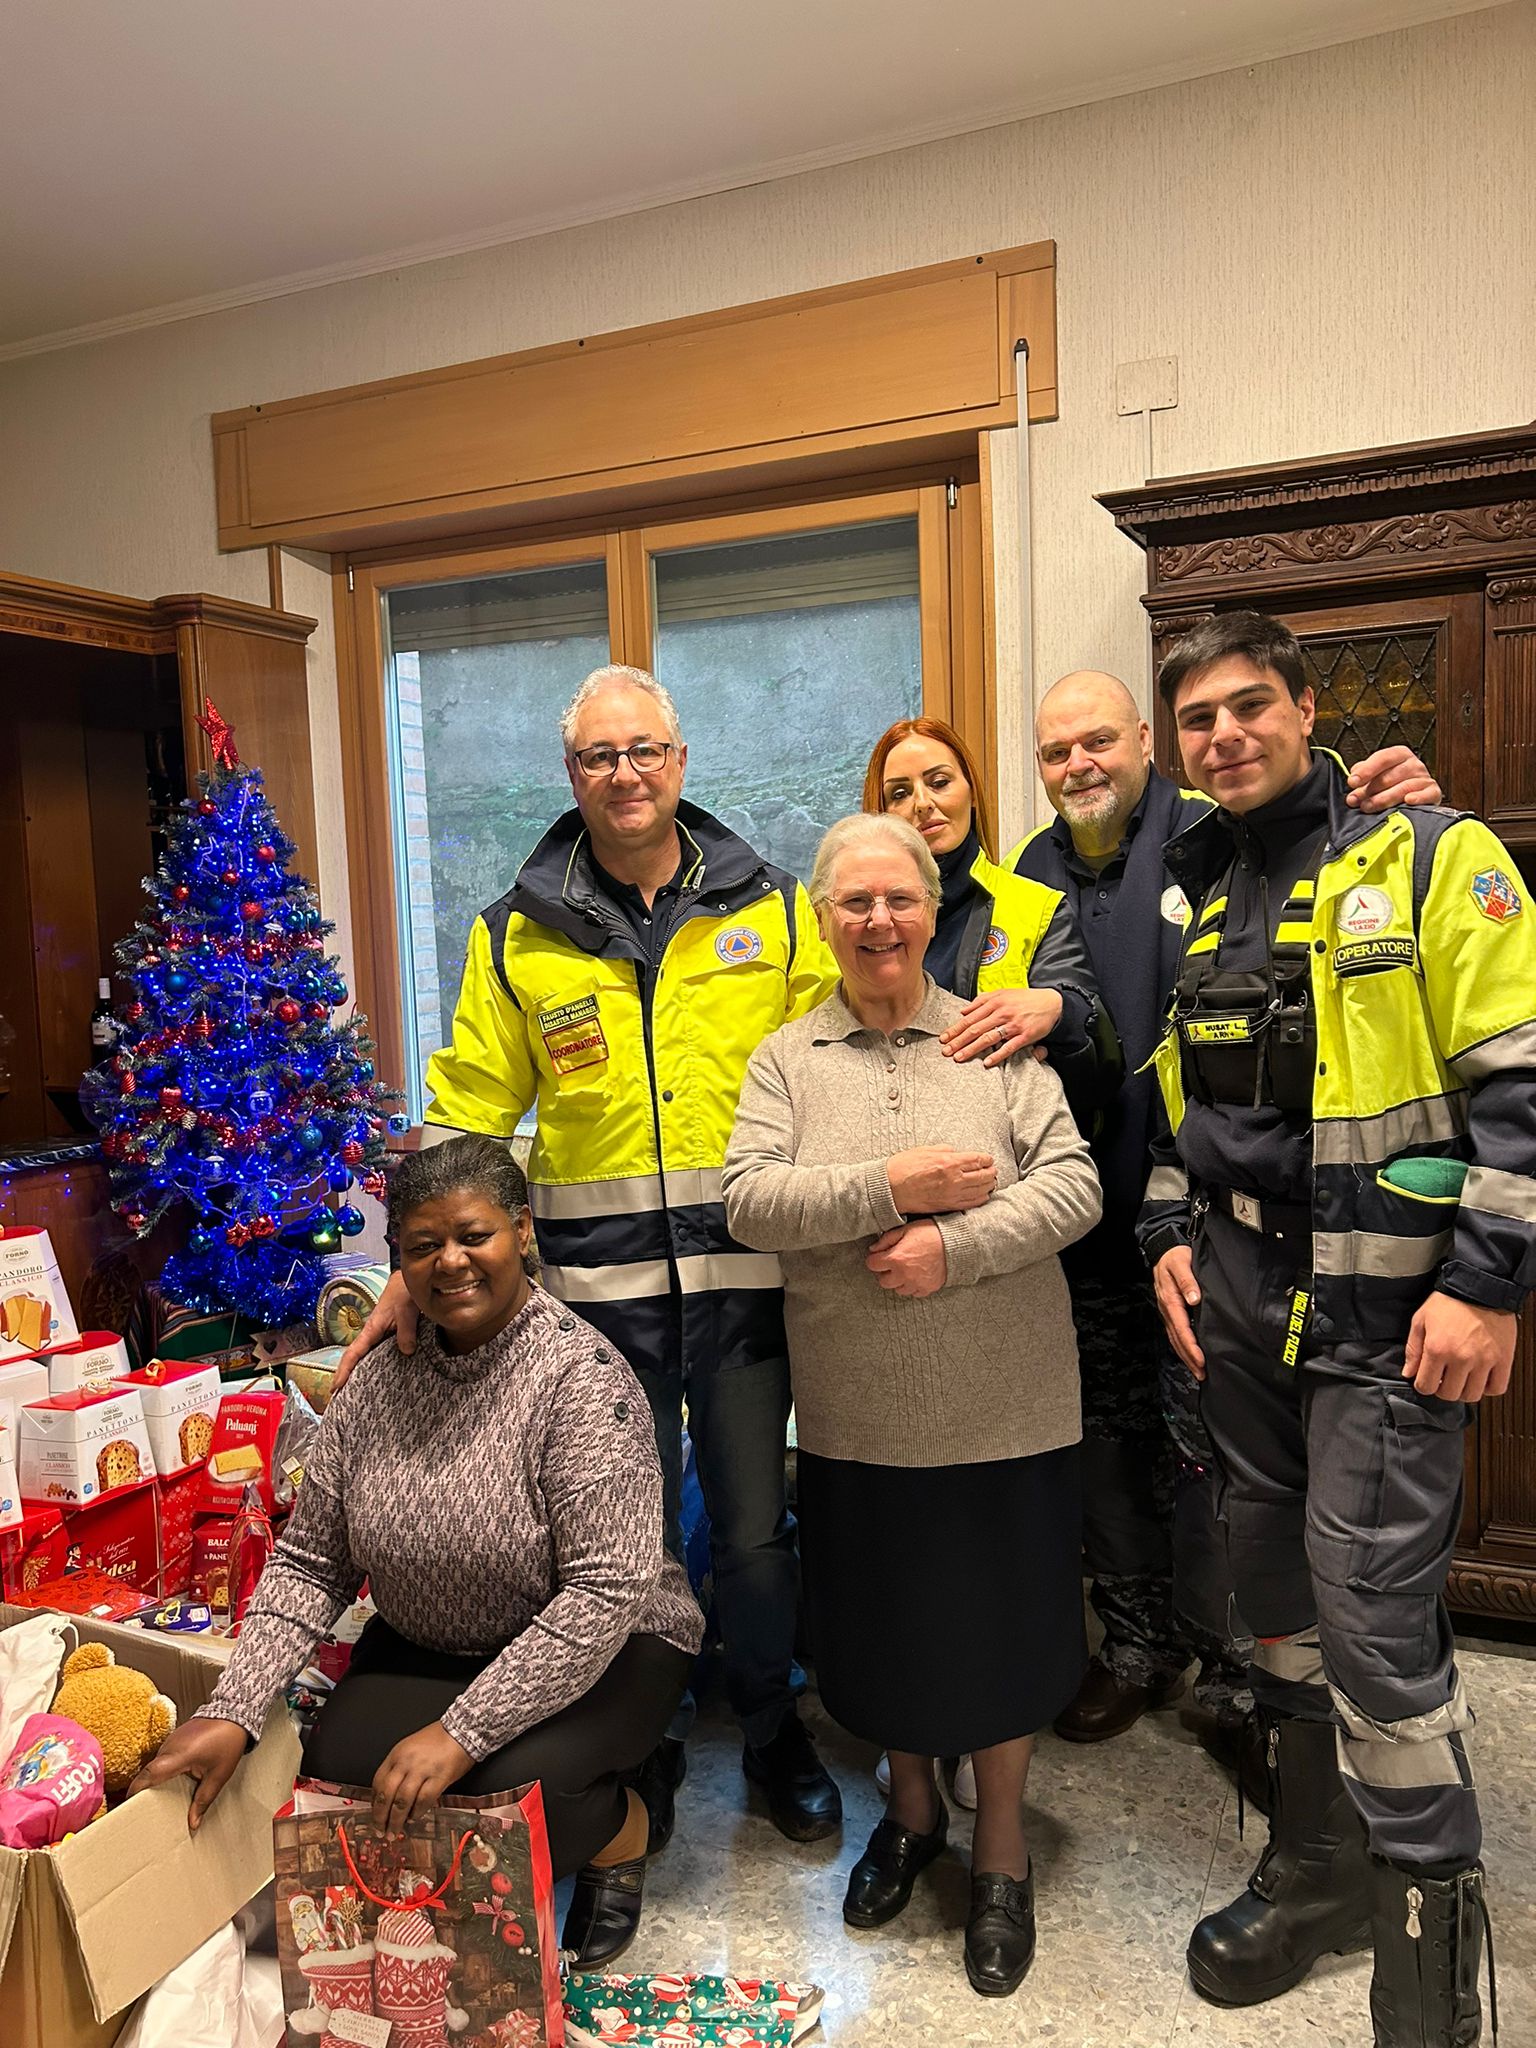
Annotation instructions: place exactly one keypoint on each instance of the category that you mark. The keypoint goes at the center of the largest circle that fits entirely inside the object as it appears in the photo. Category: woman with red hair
(1009, 946)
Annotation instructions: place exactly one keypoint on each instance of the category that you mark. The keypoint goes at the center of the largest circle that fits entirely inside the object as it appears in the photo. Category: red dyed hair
(932, 729)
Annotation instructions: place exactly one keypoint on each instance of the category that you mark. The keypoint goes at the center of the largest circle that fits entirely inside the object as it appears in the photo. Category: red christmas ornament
(318, 1010)
(134, 1012)
(237, 1235)
(229, 877)
(181, 893)
(264, 1226)
(172, 1101)
(127, 1085)
(512, 1933)
(200, 1027)
(221, 737)
(351, 1153)
(207, 808)
(135, 1219)
(289, 1010)
(501, 1884)
(250, 911)
(254, 952)
(254, 1018)
(267, 854)
(374, 1184)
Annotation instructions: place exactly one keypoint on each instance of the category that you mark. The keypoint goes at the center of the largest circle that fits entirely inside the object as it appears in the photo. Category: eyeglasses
(901, 905)
(646, 757)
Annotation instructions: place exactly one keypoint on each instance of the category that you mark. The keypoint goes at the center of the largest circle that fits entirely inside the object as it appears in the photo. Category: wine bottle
(103, 1023)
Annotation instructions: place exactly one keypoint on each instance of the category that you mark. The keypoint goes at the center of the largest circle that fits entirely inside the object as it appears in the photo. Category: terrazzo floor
(1133, 1841)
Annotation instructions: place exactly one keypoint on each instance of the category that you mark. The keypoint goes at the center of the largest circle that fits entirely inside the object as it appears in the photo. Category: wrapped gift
(348, 1301)
(314, 1374)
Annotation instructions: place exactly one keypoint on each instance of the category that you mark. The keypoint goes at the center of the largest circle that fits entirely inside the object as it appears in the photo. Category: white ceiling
(161, 157)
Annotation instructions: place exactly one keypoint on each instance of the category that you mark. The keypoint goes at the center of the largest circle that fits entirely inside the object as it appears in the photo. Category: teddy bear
(119, 1706)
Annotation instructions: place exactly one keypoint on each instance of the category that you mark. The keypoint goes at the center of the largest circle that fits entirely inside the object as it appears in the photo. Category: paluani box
(95, 1359)
(34, 1309)
(79, 1446)
(244, 1434)
(88, 1926)
(181, 1403)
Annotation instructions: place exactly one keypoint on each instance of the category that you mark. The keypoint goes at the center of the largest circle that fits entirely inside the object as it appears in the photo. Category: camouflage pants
(1150, 1539)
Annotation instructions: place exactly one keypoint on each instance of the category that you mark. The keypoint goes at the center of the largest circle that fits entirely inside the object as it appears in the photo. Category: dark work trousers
(1128, 1461)
(394, 1688)
(1205, 1611)
(738, 1417)
(1341, 1494)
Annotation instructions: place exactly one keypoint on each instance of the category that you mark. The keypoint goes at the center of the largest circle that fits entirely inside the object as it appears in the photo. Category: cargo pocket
(1411, 1502)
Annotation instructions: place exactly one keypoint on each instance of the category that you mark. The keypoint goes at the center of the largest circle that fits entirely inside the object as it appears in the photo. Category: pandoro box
(77, 1447)
(34, 1308)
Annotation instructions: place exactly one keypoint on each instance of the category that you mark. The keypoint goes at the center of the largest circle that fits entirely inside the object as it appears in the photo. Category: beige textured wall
(1340, 248)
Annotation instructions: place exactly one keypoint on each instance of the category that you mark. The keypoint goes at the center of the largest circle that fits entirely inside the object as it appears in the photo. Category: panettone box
(77, 1447)
(87, 1927)
(34, 1308)
(95, 1359)
(181, 1403)
(21, 1380)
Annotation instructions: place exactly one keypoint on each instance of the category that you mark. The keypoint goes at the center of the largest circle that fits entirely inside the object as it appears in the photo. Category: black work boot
(1428, 1933)
(1310, 1893)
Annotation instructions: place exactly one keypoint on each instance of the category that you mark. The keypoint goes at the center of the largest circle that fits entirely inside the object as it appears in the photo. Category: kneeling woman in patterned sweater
(501, 1494)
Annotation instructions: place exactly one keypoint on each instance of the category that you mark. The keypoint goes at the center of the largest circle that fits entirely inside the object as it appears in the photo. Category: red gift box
(243, 1439)
(36, 1551)
(176, 1499)
(210, 1561)
(119, 1536)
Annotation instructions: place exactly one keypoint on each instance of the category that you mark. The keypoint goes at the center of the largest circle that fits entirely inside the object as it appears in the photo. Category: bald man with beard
(1151, 1540)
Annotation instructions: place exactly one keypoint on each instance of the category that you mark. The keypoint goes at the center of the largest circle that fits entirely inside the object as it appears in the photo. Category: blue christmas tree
(231, 1089)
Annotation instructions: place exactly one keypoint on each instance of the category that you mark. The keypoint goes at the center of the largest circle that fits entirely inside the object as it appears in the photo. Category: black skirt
(944, 1603)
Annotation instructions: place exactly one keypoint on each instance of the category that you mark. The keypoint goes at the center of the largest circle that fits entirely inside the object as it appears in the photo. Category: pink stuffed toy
(53, 1782)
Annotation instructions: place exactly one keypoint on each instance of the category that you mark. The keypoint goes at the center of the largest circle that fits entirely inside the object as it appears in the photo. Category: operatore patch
(1364, 910)
(738, 945)
(1369, 956)
(1496, 895)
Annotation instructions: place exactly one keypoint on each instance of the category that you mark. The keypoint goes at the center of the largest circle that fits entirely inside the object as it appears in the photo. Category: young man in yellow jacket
(1342, 1231)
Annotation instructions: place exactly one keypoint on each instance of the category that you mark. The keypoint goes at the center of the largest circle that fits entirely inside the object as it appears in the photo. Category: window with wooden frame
(790, 636)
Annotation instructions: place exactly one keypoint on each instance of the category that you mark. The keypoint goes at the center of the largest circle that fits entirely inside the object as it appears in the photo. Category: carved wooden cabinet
(1409, 575)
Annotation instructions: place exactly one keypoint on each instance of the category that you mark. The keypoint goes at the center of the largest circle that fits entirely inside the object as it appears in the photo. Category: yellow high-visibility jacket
(636, 1078)
(1422, 944)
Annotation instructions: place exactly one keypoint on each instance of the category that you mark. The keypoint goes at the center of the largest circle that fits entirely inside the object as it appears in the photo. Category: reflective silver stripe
(1368, 1140)
(1297, 1658)
(1500, 1194)
(634, 1282)
(691, 1187)
(723, 1272)
(1167, 1184)
(1516, 1048)
(1377, 1257)
(1421, 1749)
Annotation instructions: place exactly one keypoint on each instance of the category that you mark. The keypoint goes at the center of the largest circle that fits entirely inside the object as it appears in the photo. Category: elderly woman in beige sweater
(918, 1204)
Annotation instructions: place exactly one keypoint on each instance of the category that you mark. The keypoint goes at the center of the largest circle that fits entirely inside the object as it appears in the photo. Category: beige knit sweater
(987, 1367)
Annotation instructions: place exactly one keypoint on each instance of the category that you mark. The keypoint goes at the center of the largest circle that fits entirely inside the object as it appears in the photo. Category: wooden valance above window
(858, 378)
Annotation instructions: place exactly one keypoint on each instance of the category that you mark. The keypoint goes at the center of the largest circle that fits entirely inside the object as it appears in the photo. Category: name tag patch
(1365, 956)
(1219, 1031)
(573, 1035)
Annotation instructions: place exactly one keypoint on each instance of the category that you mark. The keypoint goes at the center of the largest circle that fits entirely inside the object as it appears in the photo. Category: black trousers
(1341, 1494)
(394, 1688)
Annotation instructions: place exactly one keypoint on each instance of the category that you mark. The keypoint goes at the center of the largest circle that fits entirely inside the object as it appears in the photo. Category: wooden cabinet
(1409, 575)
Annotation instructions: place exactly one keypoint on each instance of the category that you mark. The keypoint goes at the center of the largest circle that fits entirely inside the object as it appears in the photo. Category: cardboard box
(34, 1308)
(210, 1561)
(22, 1381)
(180, 1403)
(95, 1359)
(87, 1927)
(79, 1446)
(36, 1551)
(10, 1496)
(243, 1439)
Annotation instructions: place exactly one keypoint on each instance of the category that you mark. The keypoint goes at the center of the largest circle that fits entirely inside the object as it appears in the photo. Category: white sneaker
(883, 1774)
(965, 1784)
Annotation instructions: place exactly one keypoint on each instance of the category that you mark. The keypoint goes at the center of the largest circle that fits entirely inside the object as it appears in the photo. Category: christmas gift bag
(441, 1936)
(712, 2012)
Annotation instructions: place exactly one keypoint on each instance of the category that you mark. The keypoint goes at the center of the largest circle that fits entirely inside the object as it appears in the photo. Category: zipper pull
(1274, 1749)
(1415, 1900)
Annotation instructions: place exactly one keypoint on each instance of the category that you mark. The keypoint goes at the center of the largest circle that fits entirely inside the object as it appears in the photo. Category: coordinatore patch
(1496, 895)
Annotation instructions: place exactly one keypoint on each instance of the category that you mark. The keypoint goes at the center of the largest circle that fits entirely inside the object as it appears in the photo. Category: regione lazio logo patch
(739, 944)
(1496, 895)
(1364, 910)
(996, 946)
(1175, 906)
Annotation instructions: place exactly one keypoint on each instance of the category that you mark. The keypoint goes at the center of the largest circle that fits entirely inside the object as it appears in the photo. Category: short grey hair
(621, 674)
(872, 828)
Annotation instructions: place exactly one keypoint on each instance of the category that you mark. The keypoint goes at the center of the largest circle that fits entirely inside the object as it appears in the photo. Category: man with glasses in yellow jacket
(1342, 1232)
(621, 984)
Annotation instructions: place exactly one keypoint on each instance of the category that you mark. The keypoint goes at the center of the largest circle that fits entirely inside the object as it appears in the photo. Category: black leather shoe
(657, 1781)
(1106, 1706)
(880, 1883)
(1000, 1933)
(604, 1912)
(804, 1802)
